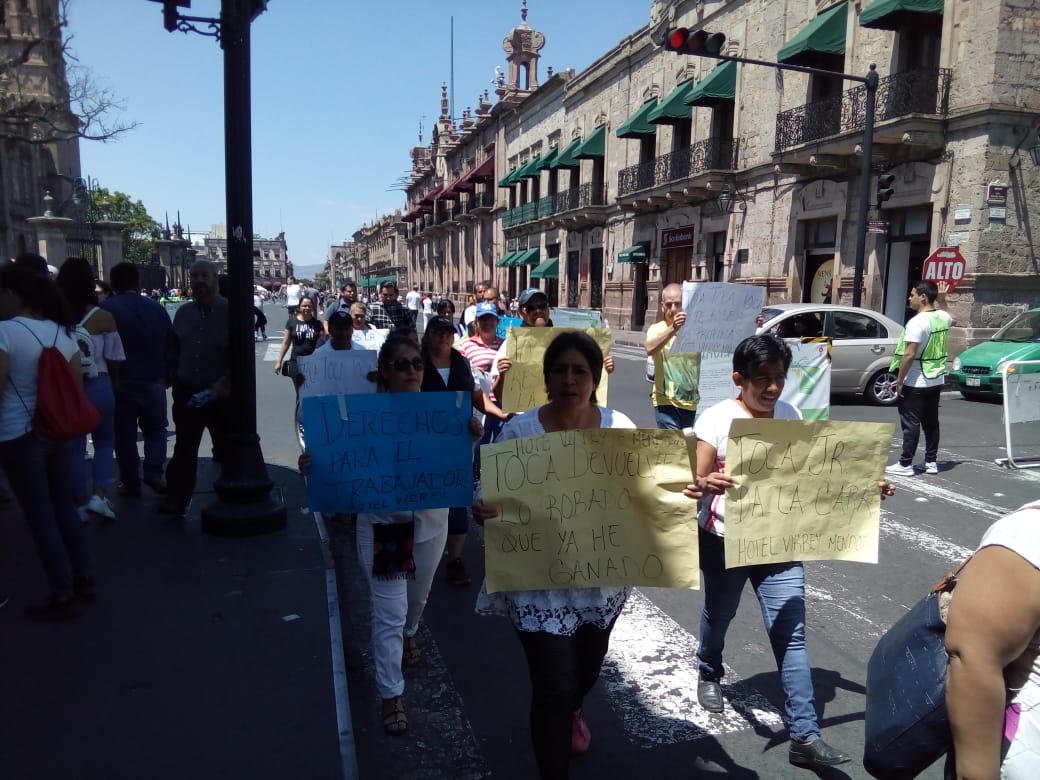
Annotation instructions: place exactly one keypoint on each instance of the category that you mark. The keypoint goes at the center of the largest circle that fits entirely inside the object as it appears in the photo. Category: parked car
(976, 371)
(862, 344)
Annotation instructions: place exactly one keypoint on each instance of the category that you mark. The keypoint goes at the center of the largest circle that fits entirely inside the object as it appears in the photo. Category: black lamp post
(245, 505)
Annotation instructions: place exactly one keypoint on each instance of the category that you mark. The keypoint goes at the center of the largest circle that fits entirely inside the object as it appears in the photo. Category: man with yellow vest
(920, 362)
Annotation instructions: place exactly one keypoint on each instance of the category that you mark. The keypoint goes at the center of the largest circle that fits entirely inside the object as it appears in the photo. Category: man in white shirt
(469, 314)
(411, 300)
(920, 363)
(293, 293)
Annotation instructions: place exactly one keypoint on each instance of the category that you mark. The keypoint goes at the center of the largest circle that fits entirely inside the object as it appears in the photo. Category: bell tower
(521, 47)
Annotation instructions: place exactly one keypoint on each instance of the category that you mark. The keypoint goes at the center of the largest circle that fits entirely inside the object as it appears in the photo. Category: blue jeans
(140, 404)
(780, 588)
(674, 418)
(39, 473)
(99, 391)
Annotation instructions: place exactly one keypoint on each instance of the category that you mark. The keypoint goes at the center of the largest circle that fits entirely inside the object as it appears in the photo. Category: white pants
(397, 605)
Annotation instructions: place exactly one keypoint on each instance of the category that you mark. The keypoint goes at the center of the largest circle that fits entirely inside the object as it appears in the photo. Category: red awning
(483, 172)
(431, 196)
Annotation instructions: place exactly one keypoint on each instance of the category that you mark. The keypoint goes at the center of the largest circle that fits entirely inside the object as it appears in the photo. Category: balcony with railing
(711, 154)
(916, 96)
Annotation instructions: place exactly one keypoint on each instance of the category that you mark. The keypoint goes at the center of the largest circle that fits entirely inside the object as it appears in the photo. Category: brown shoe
(395, 722)
(455, 573)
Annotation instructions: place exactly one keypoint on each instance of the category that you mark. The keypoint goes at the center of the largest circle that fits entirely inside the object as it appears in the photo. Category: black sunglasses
(400, 364)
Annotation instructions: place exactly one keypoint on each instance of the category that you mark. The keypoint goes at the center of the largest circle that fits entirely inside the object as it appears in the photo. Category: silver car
(863, 342)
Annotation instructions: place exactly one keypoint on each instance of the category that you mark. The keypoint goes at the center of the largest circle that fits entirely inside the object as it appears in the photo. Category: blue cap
(485, 308)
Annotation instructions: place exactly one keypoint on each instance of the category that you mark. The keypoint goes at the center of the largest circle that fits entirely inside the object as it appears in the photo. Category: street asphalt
(216, 658)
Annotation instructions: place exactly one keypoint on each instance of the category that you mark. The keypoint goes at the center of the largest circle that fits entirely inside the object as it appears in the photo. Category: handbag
(907, 726)
(289, 368)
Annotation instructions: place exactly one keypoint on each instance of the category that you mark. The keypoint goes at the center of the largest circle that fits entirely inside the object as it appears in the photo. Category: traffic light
(700, 43)
(884, 187)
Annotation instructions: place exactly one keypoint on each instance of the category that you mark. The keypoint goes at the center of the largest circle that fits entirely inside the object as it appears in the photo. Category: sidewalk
(202, 658)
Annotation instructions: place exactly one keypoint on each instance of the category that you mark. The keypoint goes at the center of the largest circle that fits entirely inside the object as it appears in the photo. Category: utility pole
(245, 505)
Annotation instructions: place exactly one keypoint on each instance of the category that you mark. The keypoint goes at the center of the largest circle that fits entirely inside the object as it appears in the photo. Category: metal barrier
(1021, 405)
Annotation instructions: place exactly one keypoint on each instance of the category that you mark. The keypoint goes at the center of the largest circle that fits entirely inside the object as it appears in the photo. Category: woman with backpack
(101, 352)
(35, 318)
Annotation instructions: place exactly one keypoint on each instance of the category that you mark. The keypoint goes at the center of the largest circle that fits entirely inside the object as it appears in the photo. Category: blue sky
(339, 90)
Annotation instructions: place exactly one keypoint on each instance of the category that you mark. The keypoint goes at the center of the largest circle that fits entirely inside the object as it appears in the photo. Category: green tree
(141, 231)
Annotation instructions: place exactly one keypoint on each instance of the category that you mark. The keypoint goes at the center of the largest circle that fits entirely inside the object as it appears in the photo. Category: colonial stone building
(271, 264)
(648, 168)
(380, 253)
(39, 150)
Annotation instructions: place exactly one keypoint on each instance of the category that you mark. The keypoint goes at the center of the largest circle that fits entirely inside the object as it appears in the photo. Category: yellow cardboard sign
(585, 509)
(524, 383)
(804, 490)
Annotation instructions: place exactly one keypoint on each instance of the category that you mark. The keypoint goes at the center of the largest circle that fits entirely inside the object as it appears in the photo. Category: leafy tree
(141, 231)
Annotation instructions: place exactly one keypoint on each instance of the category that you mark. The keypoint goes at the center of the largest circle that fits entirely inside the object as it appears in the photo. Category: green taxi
(976, 371)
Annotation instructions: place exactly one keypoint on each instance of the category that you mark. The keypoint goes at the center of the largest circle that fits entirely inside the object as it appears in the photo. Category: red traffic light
(676, 40)
(700, 43)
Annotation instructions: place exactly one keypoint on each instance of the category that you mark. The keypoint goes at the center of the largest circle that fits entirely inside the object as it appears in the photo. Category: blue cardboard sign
(383, 452)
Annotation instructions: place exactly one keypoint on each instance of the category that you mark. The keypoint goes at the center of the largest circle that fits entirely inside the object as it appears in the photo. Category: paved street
(158, 677)
(467, 702)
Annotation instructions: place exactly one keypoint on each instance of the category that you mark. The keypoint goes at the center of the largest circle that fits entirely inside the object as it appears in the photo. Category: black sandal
(395, 722)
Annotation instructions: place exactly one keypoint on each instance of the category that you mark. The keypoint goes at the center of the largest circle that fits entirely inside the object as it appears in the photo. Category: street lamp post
(245, 505)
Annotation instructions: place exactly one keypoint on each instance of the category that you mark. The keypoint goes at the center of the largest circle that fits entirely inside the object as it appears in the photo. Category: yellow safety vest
(933, 356)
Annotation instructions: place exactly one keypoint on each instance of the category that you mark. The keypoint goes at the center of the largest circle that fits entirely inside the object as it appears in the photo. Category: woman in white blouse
(565, 631)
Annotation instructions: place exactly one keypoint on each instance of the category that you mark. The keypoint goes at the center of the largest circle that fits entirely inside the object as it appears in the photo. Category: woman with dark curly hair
(101, 353)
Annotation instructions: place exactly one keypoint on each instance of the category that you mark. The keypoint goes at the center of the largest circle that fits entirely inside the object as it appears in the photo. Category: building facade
(648, 168)
(271, 264)
(380, 253)
(39, 148)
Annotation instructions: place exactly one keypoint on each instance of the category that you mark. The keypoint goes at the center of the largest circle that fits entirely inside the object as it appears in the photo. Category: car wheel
(881, 389)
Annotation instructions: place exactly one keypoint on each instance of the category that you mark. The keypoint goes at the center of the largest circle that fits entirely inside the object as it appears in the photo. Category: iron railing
(579, 197)
(707, 155)
(480, 200)
(442, 214)
(924, 91)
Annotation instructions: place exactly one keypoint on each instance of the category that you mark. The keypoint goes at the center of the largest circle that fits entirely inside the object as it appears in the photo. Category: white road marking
(928, 488)
(650, 675)
(628, 352)
(271, 353)
(923, 540)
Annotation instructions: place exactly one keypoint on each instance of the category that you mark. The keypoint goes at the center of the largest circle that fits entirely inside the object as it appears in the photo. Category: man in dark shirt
(347, 298)
(388, 312)
(147, 335)
(199, 369)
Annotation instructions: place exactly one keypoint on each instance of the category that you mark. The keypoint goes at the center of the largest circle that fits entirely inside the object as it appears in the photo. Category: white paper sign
(719, 315)
(716, 379)
(576, 318)
(808, 385)
(370, 339)
(337, 372)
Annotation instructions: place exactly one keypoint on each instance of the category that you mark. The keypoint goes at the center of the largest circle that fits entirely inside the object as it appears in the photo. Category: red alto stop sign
(945, 264)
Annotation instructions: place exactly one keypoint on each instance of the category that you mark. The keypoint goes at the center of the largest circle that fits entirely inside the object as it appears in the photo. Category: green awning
(509, 179)
(637, 253)
(593, 146)
(673, 109)
(550, 269)
(566, 158)
(531, 169)
(506, 260)
(717, 87)
(528, 257)
(823, 35)
(897, 14)
(637, 126)
(546, 160)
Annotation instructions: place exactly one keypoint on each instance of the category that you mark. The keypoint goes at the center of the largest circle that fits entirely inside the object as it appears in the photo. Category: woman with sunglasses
(564, 631)
(391, 544)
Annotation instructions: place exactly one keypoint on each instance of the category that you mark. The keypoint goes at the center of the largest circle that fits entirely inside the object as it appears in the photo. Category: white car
(862, 344)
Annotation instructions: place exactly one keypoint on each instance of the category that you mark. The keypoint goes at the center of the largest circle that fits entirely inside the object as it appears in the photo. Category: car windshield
(1023, 329)
(768, 314)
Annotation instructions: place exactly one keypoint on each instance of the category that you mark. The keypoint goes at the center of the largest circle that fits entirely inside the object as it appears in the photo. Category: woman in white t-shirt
(993, 683)
(39, 472)
(564, 631)
(760, 365)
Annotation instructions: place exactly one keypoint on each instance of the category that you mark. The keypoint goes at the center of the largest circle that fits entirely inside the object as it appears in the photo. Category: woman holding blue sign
(564, 631)
(398, 550)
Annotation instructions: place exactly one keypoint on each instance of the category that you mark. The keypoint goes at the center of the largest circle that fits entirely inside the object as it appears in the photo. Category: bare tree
(46, 95)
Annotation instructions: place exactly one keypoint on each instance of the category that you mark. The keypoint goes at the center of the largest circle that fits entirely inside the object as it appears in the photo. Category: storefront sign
(879, 226)
(962, 214)
(674, 238)
(998, 212)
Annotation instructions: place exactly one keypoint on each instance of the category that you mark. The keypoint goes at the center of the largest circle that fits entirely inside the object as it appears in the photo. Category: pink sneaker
(580, 734)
